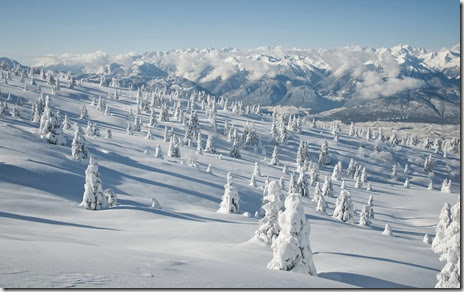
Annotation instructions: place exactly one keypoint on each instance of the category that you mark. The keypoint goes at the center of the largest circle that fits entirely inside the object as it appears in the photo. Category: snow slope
(49, 241)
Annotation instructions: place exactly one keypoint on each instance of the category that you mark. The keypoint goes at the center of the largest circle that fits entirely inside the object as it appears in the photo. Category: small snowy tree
(230, 200)
(291, 249)
(273, 203)
(406, 183)
(93, 199)
(430, 186)
(173, 150)
(321, 204)
(446, 186)
(370, 207)
(364, 217)
(394, 174)
(79, 150)
(327, 188)
(275, 159)
(158, 152)
(387, 231)
(344, 210)
(324, 158)
(257, 170)
(111, 197)
(235, 151)
(292, 187)
(303, 184)
(84, 114)
(253, 181)
(336, 172)
(210, 147)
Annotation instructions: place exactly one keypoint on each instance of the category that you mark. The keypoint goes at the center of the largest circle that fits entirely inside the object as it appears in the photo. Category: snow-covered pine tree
(230, 200)
(303, 184)
(446, 186)
(370, 207)
(364, 217)
(321, 204)
(84, 113)
(292, 187)
(275, 159)
(273, 203)
(253, 181)
(327, 188)
(444, 220)
(428, 164)
(358, 183)
(336, 172)
(324, 158)
(343, 185)
(235, 151)
(199, 147)
(79, 150)
(394, 174)
(111, 198)
(406, 183)
(291, 249)
(210, 147)
(450, 275)
(430, 186)
(50, 125)
(317, 192)
(369, 187)
(158, 152)
(93, 198)
(351, 168)
(344, 210)
(173, 147)
(387, 231)
(282, 182)
(257, 170)
(364, 175)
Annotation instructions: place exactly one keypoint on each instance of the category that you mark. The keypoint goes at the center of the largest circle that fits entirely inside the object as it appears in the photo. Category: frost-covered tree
(317, 192)
(93, 198)
(327, 188)
(209, 169)
(111, 198)
(84, 113)
(292, 187)
(79, 150)
(283, 138)
(324, 158)
(364, 174)
(273, 203)
(406, 183)
(446, 186)
(351, 131)
(430, 186)
(364, 217)
(358, 183)
(351, 168)
(235, 151)
(199, 147)
(257, 170)
(303, 184)
(321, 204)
(344, 209)
(275, 159)
(230, 200)
(387, 231)
(336, 172)
(210, 147)
(51, 128)
(369, 187)
(343, 185)
(173, 150)
(158, 152)
(274, 133)
(444, 220)
(66, 123)
(394, 174)
(291, 249)
(370, 207)
(282, 182)
(253, 181)
(450, 275)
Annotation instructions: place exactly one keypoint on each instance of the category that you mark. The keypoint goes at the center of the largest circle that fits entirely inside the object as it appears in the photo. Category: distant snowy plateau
(352, 83)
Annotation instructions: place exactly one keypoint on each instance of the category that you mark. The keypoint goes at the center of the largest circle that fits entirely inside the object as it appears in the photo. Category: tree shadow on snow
(362, 281)
(49, 221)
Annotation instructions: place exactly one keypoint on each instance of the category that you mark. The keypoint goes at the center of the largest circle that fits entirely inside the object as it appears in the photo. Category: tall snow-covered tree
(84, 113)
(210, 147)
(364, 217)
(303, 184)
(275, 159)
(291, 249)
(324, 158)
(327, 188)
(394, 174)
(230, 200)
(51, 128)
(444, 220)
(257, 170)
(344, 209)
(93, 198)
(273, 203)
(79, 150)
(450, 275)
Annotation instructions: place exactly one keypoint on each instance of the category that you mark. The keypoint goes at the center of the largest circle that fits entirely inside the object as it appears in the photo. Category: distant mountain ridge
(351, 78)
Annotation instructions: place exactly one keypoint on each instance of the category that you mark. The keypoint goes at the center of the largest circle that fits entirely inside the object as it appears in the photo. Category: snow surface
(49, 241)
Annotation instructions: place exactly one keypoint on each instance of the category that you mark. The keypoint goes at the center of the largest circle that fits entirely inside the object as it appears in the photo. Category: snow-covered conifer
(84, 114)
(387, 231)
(291, 249)
(158, 152)
(369, 187)
(344, 210)
(210, 147)
(327, 188)
(394, 175)
(93, 198)
(370, 207)
(235, 151)
(230, 200)
(273, 203)
(257, 170)
(406, 183)
(79, 150)
(324, 158)
(343, 185)
(364, 217)
(303, 184)
(275, 159)
(209, 169)
(199, 147)
(111, 198)
(51, 128)
(292, 187)
(430, 186)
(336, 172)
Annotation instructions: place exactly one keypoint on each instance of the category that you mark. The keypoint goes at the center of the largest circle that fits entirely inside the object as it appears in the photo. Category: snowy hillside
(424, 83)
(49, 241)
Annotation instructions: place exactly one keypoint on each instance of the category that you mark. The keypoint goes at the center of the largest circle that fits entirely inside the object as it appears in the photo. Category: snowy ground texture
(49, 241)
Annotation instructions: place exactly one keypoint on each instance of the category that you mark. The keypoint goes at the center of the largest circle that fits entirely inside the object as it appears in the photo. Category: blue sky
(35, 28)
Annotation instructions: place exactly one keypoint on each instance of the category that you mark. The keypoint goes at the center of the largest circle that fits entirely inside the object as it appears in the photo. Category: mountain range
(352, 83)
